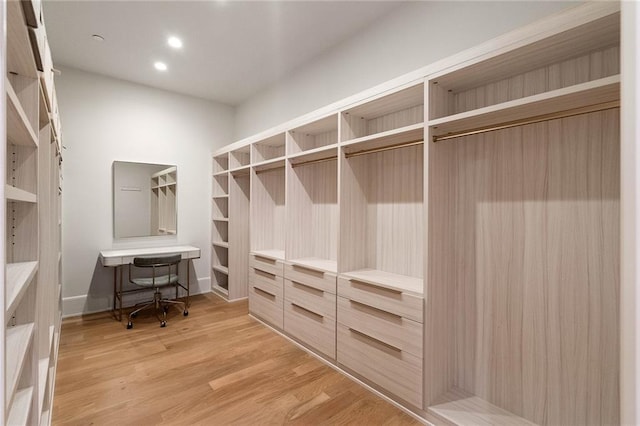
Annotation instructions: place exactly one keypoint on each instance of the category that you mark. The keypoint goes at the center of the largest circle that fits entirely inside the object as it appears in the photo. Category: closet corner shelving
(451, 218)
(32, 260)
(220, 225)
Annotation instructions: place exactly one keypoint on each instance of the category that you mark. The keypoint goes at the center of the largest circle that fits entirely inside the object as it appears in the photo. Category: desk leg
(120, 293)
(188, 283)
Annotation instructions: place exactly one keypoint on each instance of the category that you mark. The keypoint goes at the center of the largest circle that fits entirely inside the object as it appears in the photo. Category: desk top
(125, 256)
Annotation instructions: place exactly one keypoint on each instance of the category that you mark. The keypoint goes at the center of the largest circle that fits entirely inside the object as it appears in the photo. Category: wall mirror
(144, 199)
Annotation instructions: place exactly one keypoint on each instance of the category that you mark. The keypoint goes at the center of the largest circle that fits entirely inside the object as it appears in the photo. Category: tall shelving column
(220, 226)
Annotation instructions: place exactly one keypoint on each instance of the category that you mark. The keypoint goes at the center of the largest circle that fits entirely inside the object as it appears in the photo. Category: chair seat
(159, 281)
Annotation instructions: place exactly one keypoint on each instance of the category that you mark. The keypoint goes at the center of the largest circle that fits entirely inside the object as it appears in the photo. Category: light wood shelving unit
(220, 225)
(32, 249)
(451, 238)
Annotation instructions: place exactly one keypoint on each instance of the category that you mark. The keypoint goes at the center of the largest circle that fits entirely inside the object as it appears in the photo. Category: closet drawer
(266, 303)
(394, 370)
(318, 301)
(266, 279)
(390, 329)
(316, 330)
(324, 281)
(266, 264)
(392, 301)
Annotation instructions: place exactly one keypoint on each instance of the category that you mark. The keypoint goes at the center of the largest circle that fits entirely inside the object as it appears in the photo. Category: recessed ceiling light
(97, 37)
(160, 66)
(175, 42)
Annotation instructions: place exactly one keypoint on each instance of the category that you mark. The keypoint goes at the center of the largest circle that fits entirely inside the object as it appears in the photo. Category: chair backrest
(156, 261)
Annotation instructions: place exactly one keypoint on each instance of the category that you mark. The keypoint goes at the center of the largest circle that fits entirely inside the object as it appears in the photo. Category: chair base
(158, 304)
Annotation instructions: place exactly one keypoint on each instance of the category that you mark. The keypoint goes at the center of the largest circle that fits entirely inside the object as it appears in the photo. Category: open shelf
(240, 171)
(240, 157)
(21, 407)
(221, 163)
(239, 195)
(382, 217)
(222, 269)
(388, 280)
(221, 184)
(220, 207)
(12, 193)
(267, 212)
(221, 244)
(567, 98)
(276, 163)
(221, 219)
(461, 408)
(43, 374)
(402, 135)
(314, 135)
(221, 196)
(220, 231)
(395, 110)
(274, 254)
(18, 338)
(324, 265)
(312, 213)
(19, 276)
(317, 154)
(268, 149)
(20, 58)
(19, 128)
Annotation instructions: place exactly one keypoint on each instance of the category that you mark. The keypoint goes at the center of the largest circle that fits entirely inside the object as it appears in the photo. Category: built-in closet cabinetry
(451, 238)
(32, 190)
(163, 201)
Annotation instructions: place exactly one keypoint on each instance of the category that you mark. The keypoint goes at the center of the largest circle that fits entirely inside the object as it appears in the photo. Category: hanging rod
(384, 148)
(321, 160)
(270, 169)
(537, 119)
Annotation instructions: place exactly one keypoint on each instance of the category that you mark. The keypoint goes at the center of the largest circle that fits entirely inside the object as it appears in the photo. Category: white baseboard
(88, 304)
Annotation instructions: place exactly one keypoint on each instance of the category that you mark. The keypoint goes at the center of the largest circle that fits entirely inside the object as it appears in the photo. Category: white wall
(105, 120)
(412, 37)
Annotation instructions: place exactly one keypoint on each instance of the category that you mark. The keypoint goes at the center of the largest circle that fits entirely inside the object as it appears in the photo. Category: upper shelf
(18, 276)
(317, 154)
(20, 59)
(18, 338)
(19, 129)
(11, 193)
(388, 280)
(568, 98)
(323, 265)
(402, 135)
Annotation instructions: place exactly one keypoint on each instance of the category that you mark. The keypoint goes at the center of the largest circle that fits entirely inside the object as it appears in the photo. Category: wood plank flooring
(217, 366)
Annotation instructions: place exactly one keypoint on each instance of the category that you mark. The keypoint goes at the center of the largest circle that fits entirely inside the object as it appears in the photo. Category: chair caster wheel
(165, 309)
(135, 314)
(129, 325)
(185, 313)
(163, 323)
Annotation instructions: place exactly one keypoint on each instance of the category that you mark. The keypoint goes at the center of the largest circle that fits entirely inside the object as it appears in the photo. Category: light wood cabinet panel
(393, 301)
(309, 297)
(396, 371)
(321, 280)
(267, 264)
(391, 329)
(315, 330)
(270, 283)
(266, 303)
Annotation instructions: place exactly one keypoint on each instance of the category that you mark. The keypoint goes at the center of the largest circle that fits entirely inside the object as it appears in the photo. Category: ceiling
(232, 49)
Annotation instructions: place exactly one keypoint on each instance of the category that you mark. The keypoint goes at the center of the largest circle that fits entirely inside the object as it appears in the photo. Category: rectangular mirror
(144, 199)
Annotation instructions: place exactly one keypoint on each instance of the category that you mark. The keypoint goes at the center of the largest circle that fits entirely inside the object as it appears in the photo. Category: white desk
(117, 258)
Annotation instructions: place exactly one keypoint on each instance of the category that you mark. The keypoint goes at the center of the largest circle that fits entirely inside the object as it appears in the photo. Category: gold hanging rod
(537, 119)
(385, 148)
(270, 169)
(321, 160)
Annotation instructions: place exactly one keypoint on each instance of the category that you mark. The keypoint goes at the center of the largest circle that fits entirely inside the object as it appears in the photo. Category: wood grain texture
(381, 212)
(312, 211)
(315, 330)
(218, 366)
(320, 280)
(268, 149)
(239, 193)
(268, 210)
(524, 269)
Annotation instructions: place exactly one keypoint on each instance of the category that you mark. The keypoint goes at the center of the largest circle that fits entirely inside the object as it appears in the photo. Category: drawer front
(266, 304)
(392, 301)
(324, 281)
(266, 279)
(397, 372)
(393, 330)
(271, 266)
(318, 301)
(315, 330)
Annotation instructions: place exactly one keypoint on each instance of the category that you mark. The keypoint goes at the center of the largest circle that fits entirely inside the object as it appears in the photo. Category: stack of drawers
(266, 289)
(380, 336)
(310, 308)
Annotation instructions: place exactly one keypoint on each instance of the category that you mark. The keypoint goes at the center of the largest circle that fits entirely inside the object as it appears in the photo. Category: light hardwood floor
(217, 366)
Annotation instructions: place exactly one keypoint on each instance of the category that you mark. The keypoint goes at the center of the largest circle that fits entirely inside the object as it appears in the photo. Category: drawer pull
(296, 306)
(373, 339)
(308, 270)
(378, 287)
(264, 293)
(264, 259)
(265, 274)
(307, 287)
(376, 311)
